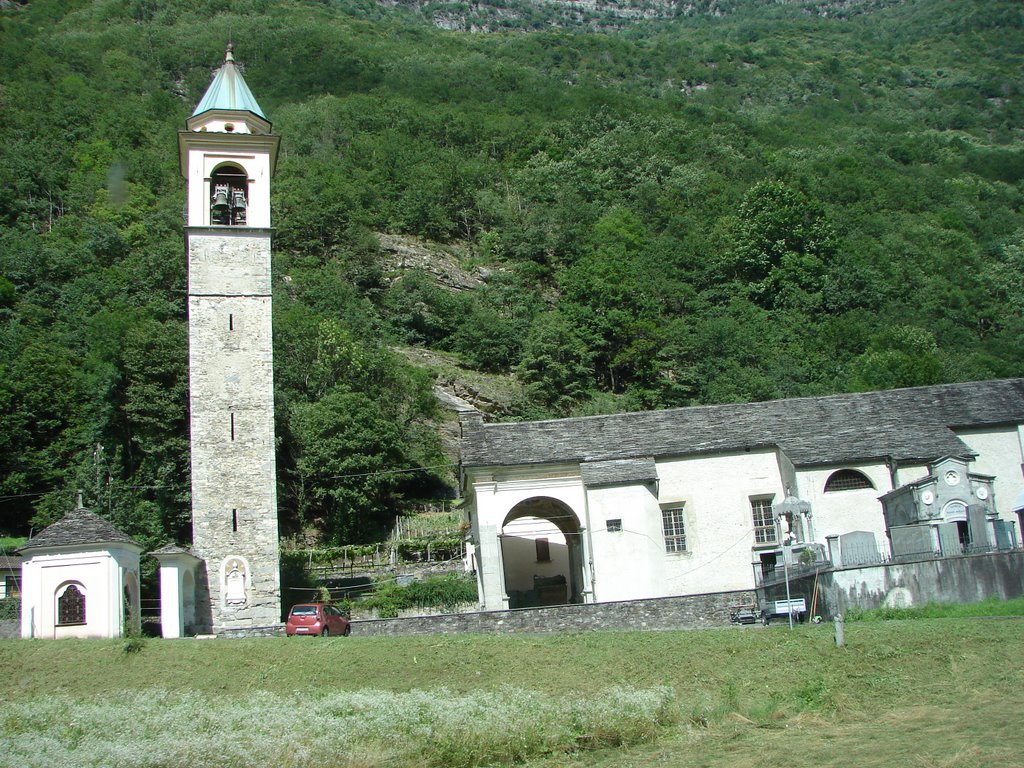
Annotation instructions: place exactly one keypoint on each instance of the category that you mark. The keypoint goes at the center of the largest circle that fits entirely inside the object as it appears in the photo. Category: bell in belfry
(238, 206)
(220, 204)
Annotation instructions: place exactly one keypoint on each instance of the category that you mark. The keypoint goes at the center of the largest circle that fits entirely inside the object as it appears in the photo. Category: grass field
(918, 692)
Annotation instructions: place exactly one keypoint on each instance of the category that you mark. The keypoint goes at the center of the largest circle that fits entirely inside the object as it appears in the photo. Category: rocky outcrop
(602, 15)
(402, 254)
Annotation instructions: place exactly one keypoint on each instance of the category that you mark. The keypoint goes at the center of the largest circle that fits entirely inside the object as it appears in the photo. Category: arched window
(71, 605)
(847, 480)
(955, 511)
(229, 195)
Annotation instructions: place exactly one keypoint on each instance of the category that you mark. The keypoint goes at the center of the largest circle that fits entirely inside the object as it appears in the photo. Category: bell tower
(228, 155)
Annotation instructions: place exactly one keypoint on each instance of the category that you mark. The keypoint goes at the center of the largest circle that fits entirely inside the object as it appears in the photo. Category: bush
(10, 609)
(446, 592)
(388, 599)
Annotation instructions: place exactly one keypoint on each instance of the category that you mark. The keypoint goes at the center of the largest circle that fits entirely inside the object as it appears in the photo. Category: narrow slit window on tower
(232, 426)
(231, 322)
(234, 521)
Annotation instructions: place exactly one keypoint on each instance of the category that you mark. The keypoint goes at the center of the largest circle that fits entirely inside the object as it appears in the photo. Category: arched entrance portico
(542, 554)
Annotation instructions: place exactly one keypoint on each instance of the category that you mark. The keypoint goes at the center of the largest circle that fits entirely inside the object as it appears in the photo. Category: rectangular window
(674, 529)
(231, 322)
(234, 521)
(232, 426)
(764, 524)
(613, 526)
(543, 551)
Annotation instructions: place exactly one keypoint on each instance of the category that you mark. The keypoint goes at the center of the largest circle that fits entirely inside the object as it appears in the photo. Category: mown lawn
(919, 692)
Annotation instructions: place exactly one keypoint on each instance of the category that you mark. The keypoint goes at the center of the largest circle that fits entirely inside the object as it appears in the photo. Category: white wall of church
(718, 492)
(628, 564)
(838, 512)
(1000, 453)
(910, 472)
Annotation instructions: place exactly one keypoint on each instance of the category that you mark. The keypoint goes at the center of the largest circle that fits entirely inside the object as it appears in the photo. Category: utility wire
(408, 470)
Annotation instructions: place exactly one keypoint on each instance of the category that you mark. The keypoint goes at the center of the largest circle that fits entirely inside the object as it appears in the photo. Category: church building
(712, 498)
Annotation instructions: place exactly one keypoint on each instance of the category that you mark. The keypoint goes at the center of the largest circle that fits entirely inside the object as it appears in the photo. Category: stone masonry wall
(689, 612)
(234, 504)
(965, 579)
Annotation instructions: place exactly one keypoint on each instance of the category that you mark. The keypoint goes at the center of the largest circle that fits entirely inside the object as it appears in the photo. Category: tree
(608, 295)
(347, 453)
(903, 356)
(556, 364)
(783, 246)
(488, 340)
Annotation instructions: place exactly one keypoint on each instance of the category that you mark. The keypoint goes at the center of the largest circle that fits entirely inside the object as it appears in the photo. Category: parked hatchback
(316, 619)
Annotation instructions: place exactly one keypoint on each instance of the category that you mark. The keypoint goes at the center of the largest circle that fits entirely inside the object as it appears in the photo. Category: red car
(316, 619)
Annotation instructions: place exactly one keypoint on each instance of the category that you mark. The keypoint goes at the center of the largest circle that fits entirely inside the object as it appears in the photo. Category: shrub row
(446, 592)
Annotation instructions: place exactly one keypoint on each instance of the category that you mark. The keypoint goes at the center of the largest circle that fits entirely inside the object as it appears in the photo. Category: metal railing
(865, 557)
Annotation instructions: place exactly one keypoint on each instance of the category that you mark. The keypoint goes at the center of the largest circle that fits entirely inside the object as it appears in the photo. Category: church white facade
(685, 501)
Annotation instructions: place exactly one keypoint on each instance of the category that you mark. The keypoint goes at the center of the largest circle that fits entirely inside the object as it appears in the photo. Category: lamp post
(790, 508)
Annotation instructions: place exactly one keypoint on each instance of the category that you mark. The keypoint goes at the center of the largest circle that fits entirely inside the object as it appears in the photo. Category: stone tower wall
(234, 504)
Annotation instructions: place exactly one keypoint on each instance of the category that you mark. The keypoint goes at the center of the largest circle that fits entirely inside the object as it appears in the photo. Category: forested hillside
(739, 201)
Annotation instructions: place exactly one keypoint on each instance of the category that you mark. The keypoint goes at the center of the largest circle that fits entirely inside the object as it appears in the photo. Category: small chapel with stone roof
(80, 578)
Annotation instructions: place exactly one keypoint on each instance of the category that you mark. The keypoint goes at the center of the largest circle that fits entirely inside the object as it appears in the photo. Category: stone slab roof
(619, 471)
(78, 527)
(10, 562)
(171, 549)
(908, 425)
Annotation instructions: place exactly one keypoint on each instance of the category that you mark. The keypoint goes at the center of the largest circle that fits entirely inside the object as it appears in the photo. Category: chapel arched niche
(542, 554)
(70, 604)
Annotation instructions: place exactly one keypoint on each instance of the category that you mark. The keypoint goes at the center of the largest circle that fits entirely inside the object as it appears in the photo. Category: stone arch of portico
(562, 517)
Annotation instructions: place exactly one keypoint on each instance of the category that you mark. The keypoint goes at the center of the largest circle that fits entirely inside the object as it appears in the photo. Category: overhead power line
(121, 486)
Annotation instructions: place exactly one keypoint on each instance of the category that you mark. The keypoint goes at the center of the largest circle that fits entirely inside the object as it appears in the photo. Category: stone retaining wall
(689, 612)
(274, 630)
(962, 579)
(10, 629)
